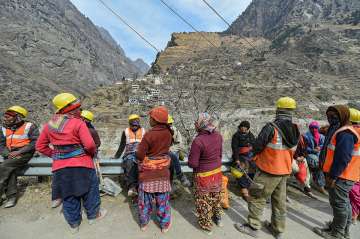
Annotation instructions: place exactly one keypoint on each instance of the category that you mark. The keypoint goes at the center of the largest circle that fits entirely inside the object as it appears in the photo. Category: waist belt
(209, 173)
(67, 151)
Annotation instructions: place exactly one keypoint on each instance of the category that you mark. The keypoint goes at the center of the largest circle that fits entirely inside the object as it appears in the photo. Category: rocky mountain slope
(269, 18)
(252, 65)
(47, 46)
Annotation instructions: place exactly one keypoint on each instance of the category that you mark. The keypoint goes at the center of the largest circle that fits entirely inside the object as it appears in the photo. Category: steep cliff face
(268, 17)
(183, 46)
(48, 46)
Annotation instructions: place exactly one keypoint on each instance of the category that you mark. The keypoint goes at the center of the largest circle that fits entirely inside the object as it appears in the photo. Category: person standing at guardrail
(177, 153)
(87, 117)
(130, 139)
(154, 173)
(205, 159)
(241, 145)
(72, 151)
(17, 146)
(274, 149)
(342, 170)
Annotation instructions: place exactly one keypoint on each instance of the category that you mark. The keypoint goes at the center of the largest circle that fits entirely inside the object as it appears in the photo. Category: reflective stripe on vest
(277, 143)
(352, 171)
(133, 139)
(19, 137)
(276, 158)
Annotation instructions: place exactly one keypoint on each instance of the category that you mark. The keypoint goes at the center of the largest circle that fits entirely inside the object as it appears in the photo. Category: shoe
(307, 192)
(74, 229)
(207, 232)
(132, 192)
(143, 227)
(322, 190)
(55, 203)
(288, 200)
(218, 222)
(275, 234)
(11, 202)
(325, 233)
(165, 230)
(246, 229)
(100, 215)
(185, 181)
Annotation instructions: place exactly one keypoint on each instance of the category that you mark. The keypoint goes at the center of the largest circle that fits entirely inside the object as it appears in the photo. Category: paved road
(33, 218)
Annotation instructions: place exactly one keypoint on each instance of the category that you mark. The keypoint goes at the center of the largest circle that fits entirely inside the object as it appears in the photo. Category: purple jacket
(206, 152)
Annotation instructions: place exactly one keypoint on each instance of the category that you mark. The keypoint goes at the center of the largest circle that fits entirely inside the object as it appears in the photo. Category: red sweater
(74, 132)
(206, 152)
(156, 142)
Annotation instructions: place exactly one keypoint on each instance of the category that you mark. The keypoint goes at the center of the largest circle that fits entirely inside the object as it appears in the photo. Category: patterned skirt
(146, 201)
(208, 208)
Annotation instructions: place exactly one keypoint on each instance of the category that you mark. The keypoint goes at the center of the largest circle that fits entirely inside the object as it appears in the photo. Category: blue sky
(156, 22)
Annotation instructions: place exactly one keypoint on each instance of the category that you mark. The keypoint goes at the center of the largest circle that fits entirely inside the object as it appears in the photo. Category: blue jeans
(314, 166)
(131, 170)
(91, 202)
(340, 203)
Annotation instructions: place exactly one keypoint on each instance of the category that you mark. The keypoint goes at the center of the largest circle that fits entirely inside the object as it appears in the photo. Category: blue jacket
(310, 142)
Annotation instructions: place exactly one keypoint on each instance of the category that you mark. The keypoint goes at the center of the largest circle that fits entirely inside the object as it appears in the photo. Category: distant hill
(48, 46)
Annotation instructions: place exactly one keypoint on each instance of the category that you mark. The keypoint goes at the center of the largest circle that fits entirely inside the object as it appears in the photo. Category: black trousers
(8, 178)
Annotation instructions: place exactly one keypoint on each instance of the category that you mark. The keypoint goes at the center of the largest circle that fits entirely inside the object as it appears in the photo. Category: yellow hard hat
(286, 103)
(18, 109)
(62, 100)
(236, 172)
(354, 115)
(87, 115)
(170, 119)
(133, 117)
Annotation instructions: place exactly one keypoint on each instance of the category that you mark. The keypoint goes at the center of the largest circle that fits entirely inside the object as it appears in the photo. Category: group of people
(151, 159)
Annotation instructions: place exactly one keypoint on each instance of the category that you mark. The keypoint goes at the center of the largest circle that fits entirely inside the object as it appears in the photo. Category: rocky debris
(48, 46)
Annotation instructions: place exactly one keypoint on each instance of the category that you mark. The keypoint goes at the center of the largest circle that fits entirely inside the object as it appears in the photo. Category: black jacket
(289, 132)
(240, 140)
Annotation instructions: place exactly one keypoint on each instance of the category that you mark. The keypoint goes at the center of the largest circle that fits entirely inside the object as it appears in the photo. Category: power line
(128, 25)
(188, 23)
(227, 23)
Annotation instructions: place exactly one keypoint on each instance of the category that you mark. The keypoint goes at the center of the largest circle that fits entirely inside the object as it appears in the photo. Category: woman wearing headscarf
(314, 141)
(205, 160)
(72, 151)
(154, 174)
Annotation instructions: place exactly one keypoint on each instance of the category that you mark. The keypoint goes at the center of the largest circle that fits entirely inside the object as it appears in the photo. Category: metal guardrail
(41, 166)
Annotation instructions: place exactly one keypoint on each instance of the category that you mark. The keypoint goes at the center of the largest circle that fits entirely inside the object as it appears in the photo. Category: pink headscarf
(314, 129)
(205, 122)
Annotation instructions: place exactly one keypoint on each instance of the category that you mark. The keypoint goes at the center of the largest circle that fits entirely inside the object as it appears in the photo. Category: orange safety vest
(352, 171)
(133, 139)
(276, 158)
(18, 138)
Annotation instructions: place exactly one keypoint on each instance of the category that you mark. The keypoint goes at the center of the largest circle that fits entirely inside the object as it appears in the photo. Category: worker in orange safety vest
(17, 146)
(274, 149)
